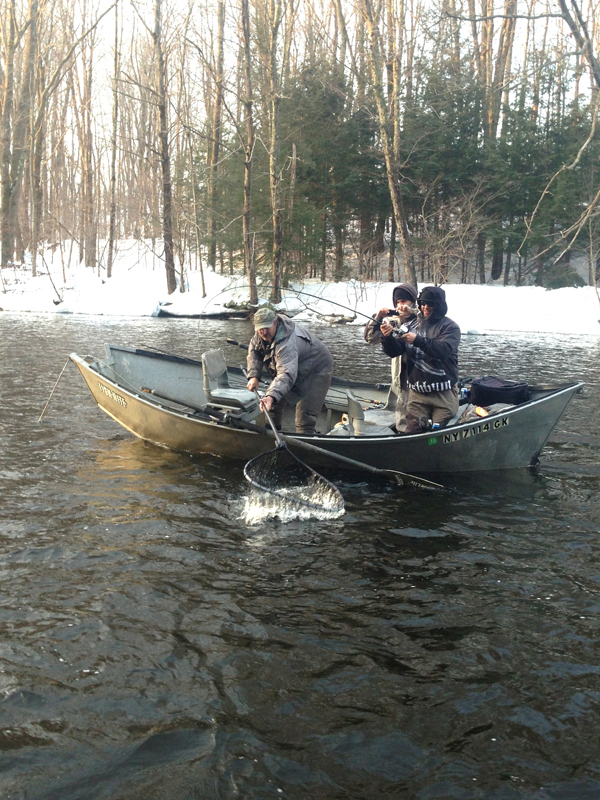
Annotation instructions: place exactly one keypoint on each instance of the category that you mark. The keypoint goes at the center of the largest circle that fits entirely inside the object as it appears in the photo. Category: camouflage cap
(264, 318)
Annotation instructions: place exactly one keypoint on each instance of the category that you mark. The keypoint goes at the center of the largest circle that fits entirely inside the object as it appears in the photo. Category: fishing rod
(298, 292)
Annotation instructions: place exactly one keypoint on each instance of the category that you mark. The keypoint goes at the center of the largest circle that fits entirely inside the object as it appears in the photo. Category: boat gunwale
(154, 402)
(137, 351)
(150, 400)
(575, 386)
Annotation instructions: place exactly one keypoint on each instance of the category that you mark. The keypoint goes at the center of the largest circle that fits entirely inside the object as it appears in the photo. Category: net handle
(278, 439)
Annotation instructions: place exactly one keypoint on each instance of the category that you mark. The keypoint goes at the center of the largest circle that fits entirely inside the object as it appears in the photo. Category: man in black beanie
(431, 352)
(404, 298)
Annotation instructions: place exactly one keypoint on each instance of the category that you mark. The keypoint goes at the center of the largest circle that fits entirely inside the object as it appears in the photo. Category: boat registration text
(113, 395)
(484, 427)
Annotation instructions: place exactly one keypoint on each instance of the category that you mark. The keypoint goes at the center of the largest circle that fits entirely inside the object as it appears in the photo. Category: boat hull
(510, 440)
(177, 430)
(506, 441)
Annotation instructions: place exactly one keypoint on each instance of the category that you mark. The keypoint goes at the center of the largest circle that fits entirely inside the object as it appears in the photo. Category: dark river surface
(154, 646)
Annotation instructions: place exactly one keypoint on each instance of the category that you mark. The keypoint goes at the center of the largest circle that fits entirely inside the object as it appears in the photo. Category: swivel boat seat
(220, 393)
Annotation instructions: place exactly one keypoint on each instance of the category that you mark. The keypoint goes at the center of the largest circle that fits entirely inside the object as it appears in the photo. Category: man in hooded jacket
(299, 364)
(432, 361)
(404, 298)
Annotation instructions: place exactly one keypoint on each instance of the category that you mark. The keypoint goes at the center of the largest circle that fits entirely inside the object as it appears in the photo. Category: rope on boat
(53, 390)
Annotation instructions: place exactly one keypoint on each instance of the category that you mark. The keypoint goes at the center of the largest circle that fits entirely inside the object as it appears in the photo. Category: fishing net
(280, 473)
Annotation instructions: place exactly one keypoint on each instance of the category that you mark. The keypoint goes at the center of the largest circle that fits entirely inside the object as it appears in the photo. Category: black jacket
(433, 357)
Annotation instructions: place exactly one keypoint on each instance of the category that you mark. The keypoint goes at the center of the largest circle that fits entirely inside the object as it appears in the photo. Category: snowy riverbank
(138, 288)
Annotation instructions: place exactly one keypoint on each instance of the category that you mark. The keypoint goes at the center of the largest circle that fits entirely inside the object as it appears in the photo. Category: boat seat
(380, 416)
(357, 424)
(216, 386)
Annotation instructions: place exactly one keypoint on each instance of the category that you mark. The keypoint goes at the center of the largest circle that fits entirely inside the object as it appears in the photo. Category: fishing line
(296, 291)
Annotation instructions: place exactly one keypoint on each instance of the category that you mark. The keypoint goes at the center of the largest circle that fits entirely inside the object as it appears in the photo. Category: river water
(153, 645)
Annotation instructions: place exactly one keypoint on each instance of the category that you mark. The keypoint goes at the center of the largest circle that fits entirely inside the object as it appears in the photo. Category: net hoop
(316, 482)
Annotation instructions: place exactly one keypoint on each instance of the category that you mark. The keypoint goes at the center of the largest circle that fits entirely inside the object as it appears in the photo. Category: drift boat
(204, 407)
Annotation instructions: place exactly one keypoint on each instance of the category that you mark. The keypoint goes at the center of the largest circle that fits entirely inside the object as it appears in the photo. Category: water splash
(259, 506)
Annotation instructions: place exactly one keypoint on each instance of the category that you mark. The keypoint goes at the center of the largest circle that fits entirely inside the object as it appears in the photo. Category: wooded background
(426, 140)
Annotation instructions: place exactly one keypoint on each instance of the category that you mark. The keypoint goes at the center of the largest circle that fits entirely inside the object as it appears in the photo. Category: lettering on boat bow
(113, 395)
(483, 427)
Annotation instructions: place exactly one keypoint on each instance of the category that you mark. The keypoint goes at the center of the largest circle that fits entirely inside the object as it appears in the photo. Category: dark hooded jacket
(433, 357)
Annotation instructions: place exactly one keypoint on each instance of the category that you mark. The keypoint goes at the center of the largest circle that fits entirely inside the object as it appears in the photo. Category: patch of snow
(138, 288)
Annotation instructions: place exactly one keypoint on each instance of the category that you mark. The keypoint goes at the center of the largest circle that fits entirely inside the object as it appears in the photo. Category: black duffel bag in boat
(491, 389)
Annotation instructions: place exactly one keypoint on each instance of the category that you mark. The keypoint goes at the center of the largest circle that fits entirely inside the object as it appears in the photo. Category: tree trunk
(580, 33)
(89, 210)
(7, 240)
(324, 250)
(540, 273)
(364, 243)
(507, 268)
(113, 155)
(248, 157)
(275, 14)
(195, 213)
(481, 256)
(214, 149)
(392, 253)
(392, 167)
(487, 39)
(507, 34)
(497, 259)
(292, 252)
(165, 159)
(35, 160)
(338, 273)
(20, 146)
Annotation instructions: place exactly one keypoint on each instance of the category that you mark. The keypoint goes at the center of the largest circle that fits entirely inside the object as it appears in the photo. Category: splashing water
(259, 506)
(290, 489)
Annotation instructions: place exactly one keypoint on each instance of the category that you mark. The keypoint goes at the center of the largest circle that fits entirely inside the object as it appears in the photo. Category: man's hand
(266, 403)
(409, 337)
(386, 329)
(383, 312)
(252, 385)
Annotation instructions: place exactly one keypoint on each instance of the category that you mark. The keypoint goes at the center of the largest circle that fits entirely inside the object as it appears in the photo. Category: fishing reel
(397, 324)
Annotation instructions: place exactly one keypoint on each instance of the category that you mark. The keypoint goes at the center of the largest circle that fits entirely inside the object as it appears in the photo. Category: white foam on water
(259, 506)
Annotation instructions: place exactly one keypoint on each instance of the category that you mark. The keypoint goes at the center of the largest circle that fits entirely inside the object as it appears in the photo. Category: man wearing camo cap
(299, 365)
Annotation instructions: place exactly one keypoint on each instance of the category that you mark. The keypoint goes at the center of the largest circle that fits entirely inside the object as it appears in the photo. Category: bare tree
(165, 158)
(46, 87)
(113, 155)
(375, 57)
(14, 127)
(89, 226)
(269, 20)
(214, 142)
(248, 154)
(572, 15)
(502, 66)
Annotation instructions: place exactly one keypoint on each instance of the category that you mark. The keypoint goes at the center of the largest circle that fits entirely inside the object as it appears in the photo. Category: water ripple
(156, 645)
